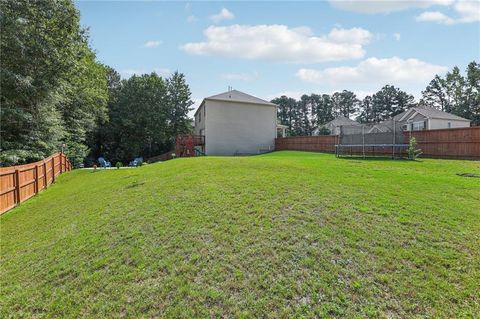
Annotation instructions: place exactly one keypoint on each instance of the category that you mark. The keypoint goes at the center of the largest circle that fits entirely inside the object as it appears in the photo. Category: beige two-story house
(236, 123)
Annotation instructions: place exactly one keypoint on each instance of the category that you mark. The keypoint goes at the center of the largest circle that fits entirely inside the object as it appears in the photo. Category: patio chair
(136, 162)
(104, 163)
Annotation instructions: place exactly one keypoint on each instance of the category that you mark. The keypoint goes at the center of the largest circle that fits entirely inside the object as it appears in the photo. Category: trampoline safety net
(367, 140)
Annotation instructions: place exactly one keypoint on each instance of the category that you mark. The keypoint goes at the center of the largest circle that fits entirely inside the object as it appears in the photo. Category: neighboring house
(428, 118)
(334, 125)
(235, 123)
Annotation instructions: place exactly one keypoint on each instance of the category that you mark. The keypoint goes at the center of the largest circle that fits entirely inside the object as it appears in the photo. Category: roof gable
(237, 96)
(342, 120)
(430, 112)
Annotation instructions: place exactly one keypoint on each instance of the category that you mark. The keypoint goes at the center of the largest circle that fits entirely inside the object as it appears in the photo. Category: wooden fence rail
(19, 183)
(455, 143)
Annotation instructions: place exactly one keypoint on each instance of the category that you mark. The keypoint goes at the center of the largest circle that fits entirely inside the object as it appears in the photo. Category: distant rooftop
(431, 112)
(342, 120)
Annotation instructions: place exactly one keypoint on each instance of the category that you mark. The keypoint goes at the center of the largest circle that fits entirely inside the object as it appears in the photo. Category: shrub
(324, 131)
(413, 151)
(118, 165)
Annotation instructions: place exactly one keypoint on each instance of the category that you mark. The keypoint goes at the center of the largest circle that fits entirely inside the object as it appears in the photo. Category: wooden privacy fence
(455, 143)
(323, 143)
(19, 183)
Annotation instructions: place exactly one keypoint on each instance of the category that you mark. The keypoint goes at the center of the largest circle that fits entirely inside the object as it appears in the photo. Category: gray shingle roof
(431, 112)
(342, 120)
(237, 96)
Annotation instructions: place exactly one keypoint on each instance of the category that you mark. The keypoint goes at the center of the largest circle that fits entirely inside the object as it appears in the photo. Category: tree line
(453, 93)
(55, 93)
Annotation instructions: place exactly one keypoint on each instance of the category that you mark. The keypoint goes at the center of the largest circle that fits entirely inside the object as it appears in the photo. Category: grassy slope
(284, 234)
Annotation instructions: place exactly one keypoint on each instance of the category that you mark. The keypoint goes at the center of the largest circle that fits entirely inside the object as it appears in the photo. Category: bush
(413, 151)
(324, 131)
(118, 165)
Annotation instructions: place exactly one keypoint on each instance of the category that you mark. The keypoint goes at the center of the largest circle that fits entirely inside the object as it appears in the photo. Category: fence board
(19, 183)
(456, 143)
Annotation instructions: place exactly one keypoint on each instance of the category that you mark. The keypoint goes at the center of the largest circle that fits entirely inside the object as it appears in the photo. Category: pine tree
(179, 105)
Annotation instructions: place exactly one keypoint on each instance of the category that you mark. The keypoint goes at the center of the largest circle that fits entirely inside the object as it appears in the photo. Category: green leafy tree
(179, 105)
(286, 111)
(304, 109)
(435, 95)
(39, 45)
(473, 91)
(455, 93)
(367, 113)
(388, 102)
(85, 107)
(138, 119)
(345, 103)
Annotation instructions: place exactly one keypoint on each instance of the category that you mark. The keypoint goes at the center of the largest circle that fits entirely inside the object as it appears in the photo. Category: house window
(199, 116)
(449, 125)
(418, 126)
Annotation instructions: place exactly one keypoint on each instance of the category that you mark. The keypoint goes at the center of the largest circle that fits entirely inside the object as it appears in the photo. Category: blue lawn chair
(136, 162)
(103, 163)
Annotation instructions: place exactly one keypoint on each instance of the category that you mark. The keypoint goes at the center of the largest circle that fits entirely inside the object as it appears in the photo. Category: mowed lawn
(287, 234)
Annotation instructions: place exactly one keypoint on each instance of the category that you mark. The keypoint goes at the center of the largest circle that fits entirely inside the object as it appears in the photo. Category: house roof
(428, 112)
(342, 120)
(236, 96)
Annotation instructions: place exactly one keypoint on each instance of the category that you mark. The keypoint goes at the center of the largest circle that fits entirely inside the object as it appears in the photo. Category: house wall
(441, 123)
(200, 118)
(233, 128)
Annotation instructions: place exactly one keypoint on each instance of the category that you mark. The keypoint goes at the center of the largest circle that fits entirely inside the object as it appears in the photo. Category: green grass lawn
(287, 234)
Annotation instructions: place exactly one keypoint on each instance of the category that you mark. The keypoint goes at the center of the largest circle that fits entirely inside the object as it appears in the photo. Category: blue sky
(273, 48)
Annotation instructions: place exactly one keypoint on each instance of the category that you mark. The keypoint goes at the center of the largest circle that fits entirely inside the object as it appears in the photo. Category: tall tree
(473, 91)
(367, 112)
(456, 92)
(86, 104)
(388, 102)
(39, 45)
(435, 95)
(345, 103)
(139, 119)
(286, 111)
(179, 104)
(322, 109)
(304, 110)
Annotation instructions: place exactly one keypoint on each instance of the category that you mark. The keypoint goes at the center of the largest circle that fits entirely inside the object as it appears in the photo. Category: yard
(287, 234)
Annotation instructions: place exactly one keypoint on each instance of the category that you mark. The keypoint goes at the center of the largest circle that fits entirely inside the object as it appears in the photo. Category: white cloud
(385, 6)
(397, 36)
(374, 72)
(434, 16)
(224, 14)
(160, 71)
(281, 43)
(152, 44)
(466, 11)
(240, 76)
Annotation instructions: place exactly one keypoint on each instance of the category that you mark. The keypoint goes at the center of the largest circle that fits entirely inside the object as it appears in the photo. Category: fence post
(61, 163)
(17, 186)
(45, 181)
(53, 169)
(36, 188)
